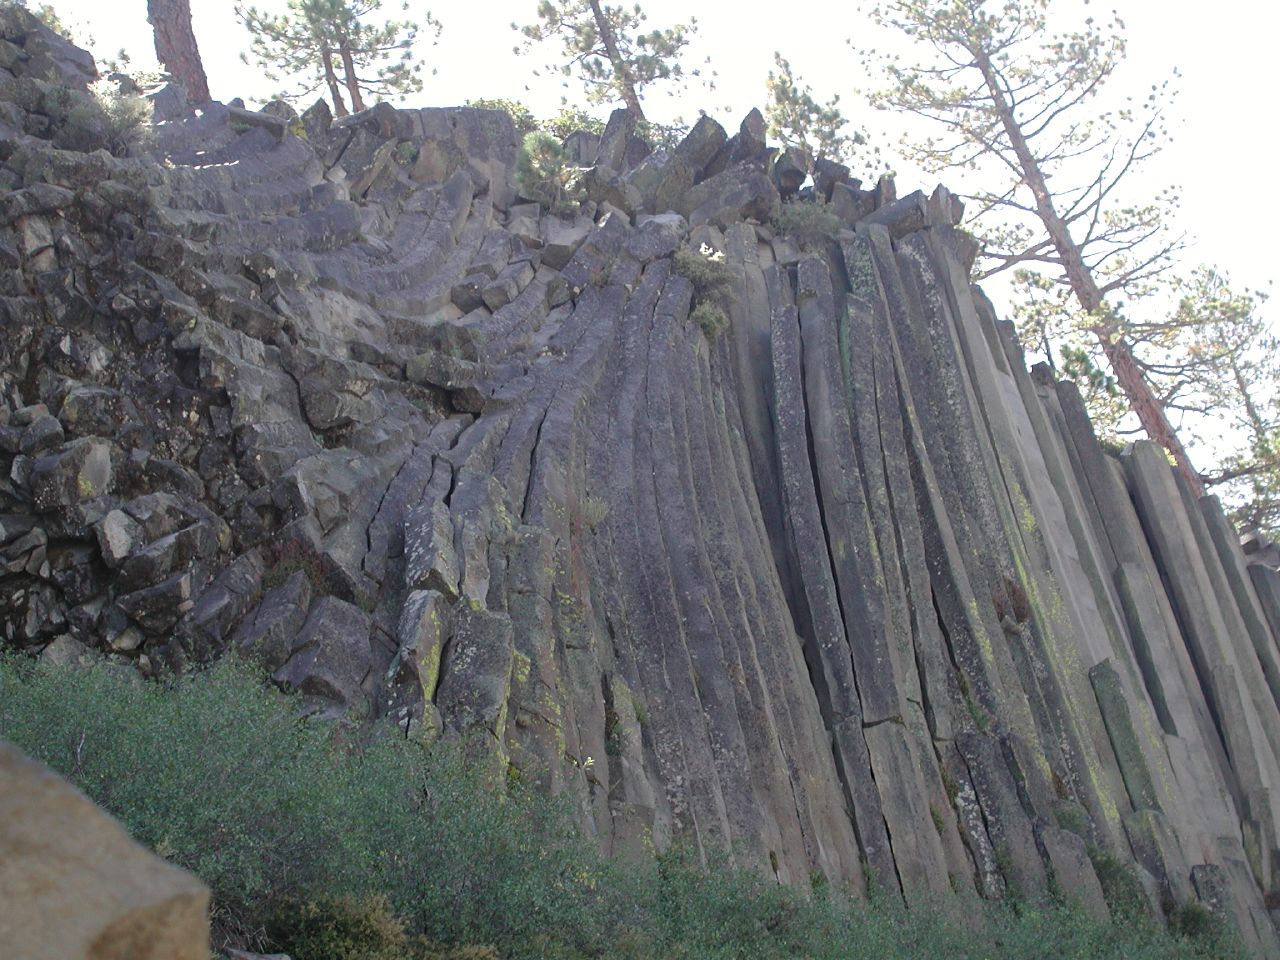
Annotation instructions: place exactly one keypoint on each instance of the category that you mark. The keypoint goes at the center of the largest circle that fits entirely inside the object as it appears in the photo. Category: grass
(334, 842)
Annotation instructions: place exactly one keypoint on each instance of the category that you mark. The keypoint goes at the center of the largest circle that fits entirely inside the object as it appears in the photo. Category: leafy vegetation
(105, 119)
(710, 276)
(345, 844)
(1021, 105)
(608, 48)
(570, 119)
(338, 45)
(544, 173)
(796, 119)
(807, 221)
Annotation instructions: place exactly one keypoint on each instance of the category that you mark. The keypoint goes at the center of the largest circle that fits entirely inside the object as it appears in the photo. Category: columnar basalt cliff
(844, 589)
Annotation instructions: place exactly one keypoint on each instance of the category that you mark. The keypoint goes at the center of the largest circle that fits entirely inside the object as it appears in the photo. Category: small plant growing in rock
(807, 221)
(710, 275)
(105, 119)
(594, 510)
(406, 153)
(710, 318)
(544, 174)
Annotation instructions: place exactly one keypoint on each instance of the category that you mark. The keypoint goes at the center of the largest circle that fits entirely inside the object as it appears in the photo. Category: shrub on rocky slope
(339, 843)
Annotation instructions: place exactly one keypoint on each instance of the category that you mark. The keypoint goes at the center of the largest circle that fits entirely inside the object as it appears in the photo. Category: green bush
(807, 221)
(544, 174)
(104, 119)
(520, 115)
(349, 844)
(339, 928)
(710, 318)
(569, 120)
(710, 276)
(355, 928)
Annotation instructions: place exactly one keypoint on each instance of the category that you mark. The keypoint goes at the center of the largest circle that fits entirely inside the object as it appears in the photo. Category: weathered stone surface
(330, 655)
(81, 470)
(1067, 857)
(701, 144)
(77, 887)
(476, 675)
(275, 627)
(560, 239)
(843, 588)
(739, 193)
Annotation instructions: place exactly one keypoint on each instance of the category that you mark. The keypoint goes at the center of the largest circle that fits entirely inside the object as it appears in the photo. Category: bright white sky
(1224, 146)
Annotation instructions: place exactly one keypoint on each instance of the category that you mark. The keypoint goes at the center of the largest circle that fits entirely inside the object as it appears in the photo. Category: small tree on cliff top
(332, 43)
(1009, 95)
(608, 48)
(796, 119)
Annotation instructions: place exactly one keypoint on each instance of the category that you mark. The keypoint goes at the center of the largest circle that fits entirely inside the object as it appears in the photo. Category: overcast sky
(1223, 152)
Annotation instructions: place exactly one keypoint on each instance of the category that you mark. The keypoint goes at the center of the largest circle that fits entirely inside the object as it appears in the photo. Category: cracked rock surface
(844, 589)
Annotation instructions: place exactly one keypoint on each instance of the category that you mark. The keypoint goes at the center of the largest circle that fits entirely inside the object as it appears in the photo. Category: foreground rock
(75, 886)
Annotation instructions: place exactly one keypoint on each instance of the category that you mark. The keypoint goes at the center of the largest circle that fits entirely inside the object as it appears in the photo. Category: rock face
(845, 589)
(74, 886)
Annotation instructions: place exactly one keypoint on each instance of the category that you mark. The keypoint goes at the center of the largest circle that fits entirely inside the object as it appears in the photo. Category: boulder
(77, 887)
(331, 653)
(80, 470)
(269, 635)
(701, 144)
(739, 193)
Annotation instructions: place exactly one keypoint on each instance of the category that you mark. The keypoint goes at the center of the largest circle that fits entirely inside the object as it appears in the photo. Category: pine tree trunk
(621, 73)
(353, 81)
(1115, 347)
(176, 46)
(331, 79)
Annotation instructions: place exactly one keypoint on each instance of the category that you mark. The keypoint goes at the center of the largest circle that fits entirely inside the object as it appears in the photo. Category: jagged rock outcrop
(845, 590)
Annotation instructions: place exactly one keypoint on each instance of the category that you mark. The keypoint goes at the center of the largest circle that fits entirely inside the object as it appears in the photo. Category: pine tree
(1011, 97)
(1219, 365)
(608, 49)
(796, 119)
(332, 43)
(176, 48)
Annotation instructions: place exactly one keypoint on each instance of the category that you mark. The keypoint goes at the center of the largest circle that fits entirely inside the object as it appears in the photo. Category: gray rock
(272, 632)
(44, 434)
(157, 608)
(738, 193)
(476, 677)
(118, 535)
(1067, 857)
(701, 144)
(331, 653)
(81, 470)
(561, 239)
(274, 125)
(88, 410)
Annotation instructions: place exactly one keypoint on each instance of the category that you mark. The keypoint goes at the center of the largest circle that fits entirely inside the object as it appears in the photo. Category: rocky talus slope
(844, 588)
